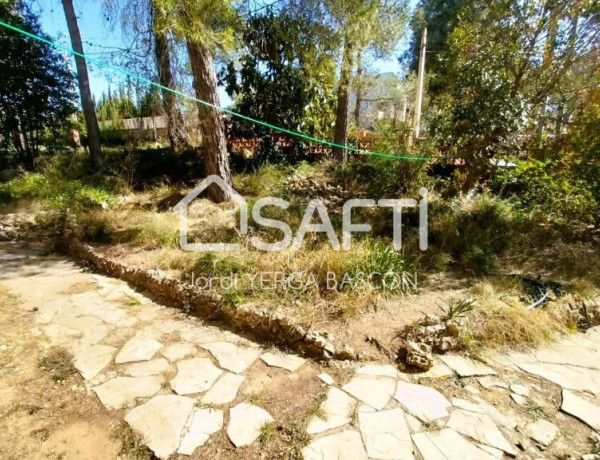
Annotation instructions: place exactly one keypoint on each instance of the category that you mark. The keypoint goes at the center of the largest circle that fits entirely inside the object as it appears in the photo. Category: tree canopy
(37, 95)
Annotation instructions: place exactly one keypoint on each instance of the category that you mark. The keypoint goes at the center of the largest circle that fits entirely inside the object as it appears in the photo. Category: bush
(551, 189)
(473, 232)
(377, 176)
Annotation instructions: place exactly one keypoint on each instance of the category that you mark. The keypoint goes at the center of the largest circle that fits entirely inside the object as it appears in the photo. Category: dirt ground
(45, 412)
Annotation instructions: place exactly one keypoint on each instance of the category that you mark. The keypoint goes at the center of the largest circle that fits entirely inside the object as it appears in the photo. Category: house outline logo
(182, 209)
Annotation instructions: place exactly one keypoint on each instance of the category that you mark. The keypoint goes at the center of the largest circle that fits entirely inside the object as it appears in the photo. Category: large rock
(195, 376)
(419, 355)
(346, 445)
(245, 423)
(386, 434)
(425, 403)
(123, 391)
(160, 421)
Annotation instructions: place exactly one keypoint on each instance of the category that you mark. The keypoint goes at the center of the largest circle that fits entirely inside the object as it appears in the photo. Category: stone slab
(232, 357)
(123, 391)
(224, 390)
(425, 403)
(245, 423)
(285, 361)
(376, 391)
(383, 370)
(386, 434)
(542, 431)
(202, 423)
(160, 421)
(138, 349)
(466, 367)
(90, 360)
(337, 410)
(195, 376)
(568, 377)
(582, 409)
(481, 428)
(346, 445)
(491, 381)
(176, 351)
(447, 444)
(146, 368)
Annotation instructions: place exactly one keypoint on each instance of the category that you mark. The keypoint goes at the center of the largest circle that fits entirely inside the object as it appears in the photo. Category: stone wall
(256, 322)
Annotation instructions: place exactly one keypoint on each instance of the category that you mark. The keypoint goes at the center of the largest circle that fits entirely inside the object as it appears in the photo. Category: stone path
(181, 383)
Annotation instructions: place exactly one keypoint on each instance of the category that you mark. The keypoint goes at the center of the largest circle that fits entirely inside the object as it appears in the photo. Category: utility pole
(404, 108)
(420, 83)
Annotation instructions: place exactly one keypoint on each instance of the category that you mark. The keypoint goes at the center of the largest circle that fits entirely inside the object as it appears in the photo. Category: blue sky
(99, 36)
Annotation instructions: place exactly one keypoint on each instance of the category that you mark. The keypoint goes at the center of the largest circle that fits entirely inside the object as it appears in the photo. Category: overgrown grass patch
(56, 193)
(473, 238)
(500, 317)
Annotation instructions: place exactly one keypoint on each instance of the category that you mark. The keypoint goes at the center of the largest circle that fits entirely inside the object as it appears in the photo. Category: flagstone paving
(182, 384)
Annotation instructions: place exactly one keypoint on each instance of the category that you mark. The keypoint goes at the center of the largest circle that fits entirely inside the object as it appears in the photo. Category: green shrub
(552, 189)
(474, 232)
(212, 264)
(386, 266)
(380, 177)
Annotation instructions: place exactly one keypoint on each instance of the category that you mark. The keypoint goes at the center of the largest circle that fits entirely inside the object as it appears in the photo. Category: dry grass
(149, 239)
(307, 283)
(500, 317)
(57, 362)
(574, 264)
(286, 440)
(132, 446)
(149, 229)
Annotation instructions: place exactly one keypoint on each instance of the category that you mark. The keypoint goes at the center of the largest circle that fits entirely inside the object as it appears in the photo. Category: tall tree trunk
(162, 53)
(211, 124)
(359, 88)
(341, 119)
(89, 109)
(549, 49)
